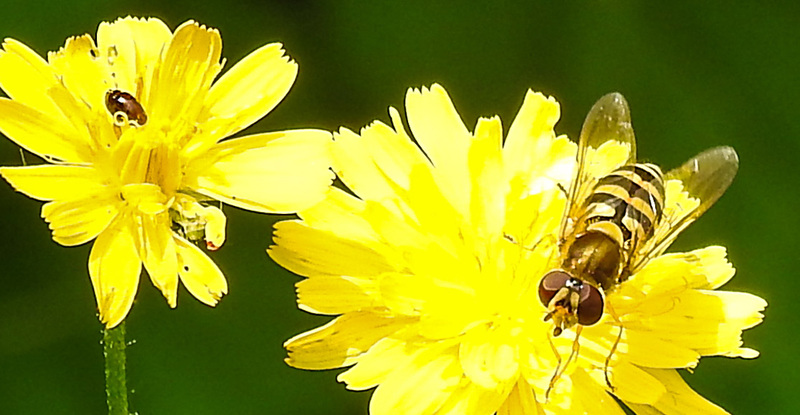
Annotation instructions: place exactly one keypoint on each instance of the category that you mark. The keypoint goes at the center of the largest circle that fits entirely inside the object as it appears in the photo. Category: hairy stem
(114, 353)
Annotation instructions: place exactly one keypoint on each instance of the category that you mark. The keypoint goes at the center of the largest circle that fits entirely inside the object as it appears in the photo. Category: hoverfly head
(569, 300)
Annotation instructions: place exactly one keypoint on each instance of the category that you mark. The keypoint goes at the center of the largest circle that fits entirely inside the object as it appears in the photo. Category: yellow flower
(131, 124)
(432, 270)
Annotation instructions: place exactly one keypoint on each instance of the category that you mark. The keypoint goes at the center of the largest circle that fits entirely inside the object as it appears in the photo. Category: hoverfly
(617, 217)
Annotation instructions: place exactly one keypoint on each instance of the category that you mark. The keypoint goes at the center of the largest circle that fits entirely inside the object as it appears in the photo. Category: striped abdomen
(626, 204)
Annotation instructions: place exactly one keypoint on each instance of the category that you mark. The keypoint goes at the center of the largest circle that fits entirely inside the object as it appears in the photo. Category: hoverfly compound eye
(125, 108)
(590, 306)
(551, 283)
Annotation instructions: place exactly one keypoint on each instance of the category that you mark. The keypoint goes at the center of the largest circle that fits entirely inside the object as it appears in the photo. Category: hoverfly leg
(614, 347)
(573, 356)
(576, 347)
(558, 367)
(608, 358)
(563, 189)
(548, 241)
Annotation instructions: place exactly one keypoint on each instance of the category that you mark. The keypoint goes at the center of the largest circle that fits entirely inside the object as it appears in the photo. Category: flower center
(150, 160)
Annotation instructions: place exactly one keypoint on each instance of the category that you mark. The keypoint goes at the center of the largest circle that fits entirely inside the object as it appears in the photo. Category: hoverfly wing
(704, 178)
(606, 130)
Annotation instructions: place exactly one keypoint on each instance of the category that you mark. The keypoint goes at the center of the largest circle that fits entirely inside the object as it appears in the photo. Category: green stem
(114, 352)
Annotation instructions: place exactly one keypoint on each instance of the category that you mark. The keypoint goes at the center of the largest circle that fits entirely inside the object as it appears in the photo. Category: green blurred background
(696, 76)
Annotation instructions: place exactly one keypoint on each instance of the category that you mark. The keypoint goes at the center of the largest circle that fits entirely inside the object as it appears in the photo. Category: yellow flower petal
(488, 187)
(96, 133)
(338, 213)
(715, 266)
(531, 140)
(84, 72)
(26, 78)
(635, 385)
(705, 322)
(114, 268)
(591, 397)
(418, 385)
(432, 212)
(199, 274)
(371, 368)
(647, 348)
(489, 357)
(392, 150)
(521, 401)
(75, 222)
(740, 308)
(456, 306)
(527, 229)
(338, 342)
(336, 295)
(188, 66)
(160, 257)
(131, 45)
(679, 399)
(51, 138)
(48, 182)
(391, 221)
(276, 173)
(332, 256)
(356, 168)
(740, 311)
(473, 399)
(438, 129)
(533, 126)
(249, 90)
(378, 160)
